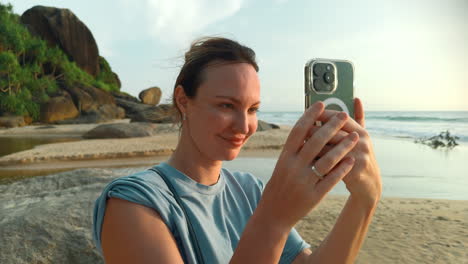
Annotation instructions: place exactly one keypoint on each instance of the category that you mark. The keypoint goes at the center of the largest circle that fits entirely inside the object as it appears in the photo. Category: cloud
(178, 21)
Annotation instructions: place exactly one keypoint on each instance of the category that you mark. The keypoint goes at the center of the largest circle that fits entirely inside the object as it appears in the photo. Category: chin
(231, 155)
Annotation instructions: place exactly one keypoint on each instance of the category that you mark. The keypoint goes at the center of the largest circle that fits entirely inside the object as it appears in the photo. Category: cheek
(213, 120)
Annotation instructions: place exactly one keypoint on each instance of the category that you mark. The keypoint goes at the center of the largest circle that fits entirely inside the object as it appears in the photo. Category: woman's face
(222, 115)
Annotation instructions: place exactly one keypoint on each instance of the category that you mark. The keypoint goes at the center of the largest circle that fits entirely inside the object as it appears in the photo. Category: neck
(190, 161)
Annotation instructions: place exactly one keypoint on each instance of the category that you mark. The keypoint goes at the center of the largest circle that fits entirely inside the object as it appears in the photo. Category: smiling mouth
(237, 142)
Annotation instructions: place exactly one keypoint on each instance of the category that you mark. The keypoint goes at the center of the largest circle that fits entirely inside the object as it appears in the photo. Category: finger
(300, 130)
(350, 126)
(334, 140)
(324, 151)
(318, 140)
(359, 115)
(328, 161)
(335, 176)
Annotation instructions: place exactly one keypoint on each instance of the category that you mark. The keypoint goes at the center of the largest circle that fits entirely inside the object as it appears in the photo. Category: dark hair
(205, 52)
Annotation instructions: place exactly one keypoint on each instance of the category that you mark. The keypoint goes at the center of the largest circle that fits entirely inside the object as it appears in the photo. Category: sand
(402, 231)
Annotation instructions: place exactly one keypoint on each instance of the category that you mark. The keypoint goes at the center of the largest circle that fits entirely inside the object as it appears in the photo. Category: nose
(241, 123)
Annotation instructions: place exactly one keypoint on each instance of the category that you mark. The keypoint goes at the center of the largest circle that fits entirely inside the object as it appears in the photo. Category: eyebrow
(237, 101)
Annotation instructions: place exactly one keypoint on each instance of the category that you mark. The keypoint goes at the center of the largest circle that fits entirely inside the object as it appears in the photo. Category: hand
(363, 181)
(294, 189)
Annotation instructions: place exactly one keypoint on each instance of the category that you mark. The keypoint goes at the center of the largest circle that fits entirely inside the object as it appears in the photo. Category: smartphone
(332, 82)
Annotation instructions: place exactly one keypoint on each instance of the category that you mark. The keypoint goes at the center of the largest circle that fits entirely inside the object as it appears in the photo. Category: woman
(232, 216)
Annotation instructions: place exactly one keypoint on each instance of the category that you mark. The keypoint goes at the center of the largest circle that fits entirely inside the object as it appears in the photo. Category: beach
(403, 230)
(422, 217)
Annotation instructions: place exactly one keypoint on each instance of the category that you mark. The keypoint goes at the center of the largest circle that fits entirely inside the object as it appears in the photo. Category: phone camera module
(324, 77)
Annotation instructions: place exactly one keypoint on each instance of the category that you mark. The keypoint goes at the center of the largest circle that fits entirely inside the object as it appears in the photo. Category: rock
(87, 98)
(57, 109)
(28, 120)
(139, 112)
(12, 121)
(110, 111)
(60, 27)
(103, 113)
(122, 130)
(49, 219)
(150, 96)
(263, 126)
(125, 96)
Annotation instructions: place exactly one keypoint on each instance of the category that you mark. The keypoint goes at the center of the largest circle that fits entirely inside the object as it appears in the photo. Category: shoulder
(144, 188)
(143, 184)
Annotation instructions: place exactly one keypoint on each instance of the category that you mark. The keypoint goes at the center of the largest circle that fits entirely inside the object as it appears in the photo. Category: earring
(184, 117)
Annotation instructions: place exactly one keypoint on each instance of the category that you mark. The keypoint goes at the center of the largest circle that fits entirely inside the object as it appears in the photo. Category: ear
(181, 98)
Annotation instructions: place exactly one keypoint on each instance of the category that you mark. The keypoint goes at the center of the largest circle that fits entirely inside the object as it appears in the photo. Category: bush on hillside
(31, 72)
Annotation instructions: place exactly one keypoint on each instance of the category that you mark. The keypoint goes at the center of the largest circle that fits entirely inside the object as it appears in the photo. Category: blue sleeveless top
(218, 212)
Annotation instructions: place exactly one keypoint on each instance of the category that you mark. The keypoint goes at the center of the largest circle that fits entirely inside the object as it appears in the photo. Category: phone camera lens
(317, 85)
(329, 67)
(319, 69)
(329, 77)
(320, 86)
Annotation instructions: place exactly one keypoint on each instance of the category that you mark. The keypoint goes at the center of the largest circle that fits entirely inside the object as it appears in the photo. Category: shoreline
(100, 149)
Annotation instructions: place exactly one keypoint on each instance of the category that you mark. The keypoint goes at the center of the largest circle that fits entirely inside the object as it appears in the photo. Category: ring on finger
(317, 173)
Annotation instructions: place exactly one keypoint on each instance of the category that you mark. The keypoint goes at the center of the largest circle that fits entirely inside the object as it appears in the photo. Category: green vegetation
(443, 140)
(31, 72)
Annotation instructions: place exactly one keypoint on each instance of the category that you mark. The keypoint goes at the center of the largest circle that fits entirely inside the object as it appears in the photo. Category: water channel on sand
(10, 145)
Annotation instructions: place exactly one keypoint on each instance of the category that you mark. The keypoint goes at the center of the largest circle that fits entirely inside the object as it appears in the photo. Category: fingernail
(318, 105)
(342, 115)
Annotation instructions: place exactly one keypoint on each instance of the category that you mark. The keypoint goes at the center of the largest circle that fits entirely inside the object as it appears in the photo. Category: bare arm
(133, 233)
(343, 243)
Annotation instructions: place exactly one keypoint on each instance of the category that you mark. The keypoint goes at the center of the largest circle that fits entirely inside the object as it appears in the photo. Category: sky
(408, 55)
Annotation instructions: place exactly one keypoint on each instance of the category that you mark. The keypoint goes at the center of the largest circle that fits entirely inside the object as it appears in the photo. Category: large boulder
(263, 126)
(101, 114)
(125, 96)
(58, 108)
(121, 130)
(150, 96)
(12, 121)
(139, 112)
(60, 27)
(87, 98)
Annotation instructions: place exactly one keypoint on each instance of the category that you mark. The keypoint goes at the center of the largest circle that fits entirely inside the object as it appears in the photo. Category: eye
(253, 110)
(227, 105)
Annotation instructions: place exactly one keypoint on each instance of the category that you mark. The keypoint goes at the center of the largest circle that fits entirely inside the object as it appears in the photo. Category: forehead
(238, 80)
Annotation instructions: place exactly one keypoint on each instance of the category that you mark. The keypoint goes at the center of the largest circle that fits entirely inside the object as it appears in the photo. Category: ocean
(409, 124)
(407, 169)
